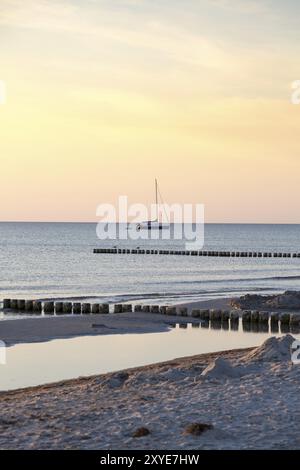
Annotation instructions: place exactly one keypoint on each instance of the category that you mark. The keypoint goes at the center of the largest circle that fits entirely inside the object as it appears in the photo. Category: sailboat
(153, 224)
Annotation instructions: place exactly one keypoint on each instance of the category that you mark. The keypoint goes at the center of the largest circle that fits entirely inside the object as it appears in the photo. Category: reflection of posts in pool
(234, 320)
(252, 321)
(285, 322)
(295, 323)
(274, 317)
(255, 327)
(204, 315)
(263, 318)
(216, 324)
(254, 316)
(246, 320)
(263, 328)
(215, 315)
(246, 316)
(285, 327)
(225, 319)
(295, 329)
(225, 316)
(234, 325)
(195, 313)
(274, 327)
(246, 326)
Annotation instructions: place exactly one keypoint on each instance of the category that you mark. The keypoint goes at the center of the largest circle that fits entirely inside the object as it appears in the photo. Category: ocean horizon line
(172, 223)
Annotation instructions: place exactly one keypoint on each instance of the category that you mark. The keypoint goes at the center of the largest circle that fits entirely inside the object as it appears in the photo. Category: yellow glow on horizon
(98, 108)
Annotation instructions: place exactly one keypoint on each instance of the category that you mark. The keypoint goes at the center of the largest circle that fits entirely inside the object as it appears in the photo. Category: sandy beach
(248, 397)
(242, 398)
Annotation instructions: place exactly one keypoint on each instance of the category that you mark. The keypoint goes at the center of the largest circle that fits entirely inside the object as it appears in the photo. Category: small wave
(116, 298)
(232, 280)
(283, 278)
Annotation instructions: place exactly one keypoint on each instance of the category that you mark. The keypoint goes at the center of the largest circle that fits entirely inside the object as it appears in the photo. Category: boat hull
(150, 225)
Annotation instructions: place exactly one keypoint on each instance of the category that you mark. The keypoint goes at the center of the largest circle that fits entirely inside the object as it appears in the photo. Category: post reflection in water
(241, 326)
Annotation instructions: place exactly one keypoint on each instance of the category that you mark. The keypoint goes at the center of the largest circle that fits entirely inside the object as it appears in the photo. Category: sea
(56, 261)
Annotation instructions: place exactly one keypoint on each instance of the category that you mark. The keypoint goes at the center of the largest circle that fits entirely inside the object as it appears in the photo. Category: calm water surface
(48, 260)
(39, 363)
(55, 260)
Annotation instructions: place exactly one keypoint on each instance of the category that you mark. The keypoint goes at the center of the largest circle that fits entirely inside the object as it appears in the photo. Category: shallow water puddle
(40, 363)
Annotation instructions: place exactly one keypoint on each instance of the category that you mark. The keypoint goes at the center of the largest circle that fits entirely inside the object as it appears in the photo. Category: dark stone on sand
(141, 432)
(196, 429)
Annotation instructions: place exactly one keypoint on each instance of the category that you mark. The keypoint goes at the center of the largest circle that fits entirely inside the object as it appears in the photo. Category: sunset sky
(105, 95)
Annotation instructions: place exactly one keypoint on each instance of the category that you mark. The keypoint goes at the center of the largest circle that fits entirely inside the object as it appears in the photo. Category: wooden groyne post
(225, 254)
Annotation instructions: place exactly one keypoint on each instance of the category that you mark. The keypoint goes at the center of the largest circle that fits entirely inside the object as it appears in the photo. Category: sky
(105, 95)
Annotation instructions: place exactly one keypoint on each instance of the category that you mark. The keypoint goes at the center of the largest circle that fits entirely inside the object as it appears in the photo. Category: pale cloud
(174, 42)
(40, 14)
(244, 6)
(151, 54)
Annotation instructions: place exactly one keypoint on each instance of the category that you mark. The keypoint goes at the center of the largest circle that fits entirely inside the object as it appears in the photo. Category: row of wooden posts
(64, 308)
(49, 307)
(247, 316)
(227, 254)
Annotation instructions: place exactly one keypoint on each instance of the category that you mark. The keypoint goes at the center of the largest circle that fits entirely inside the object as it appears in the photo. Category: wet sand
(223, 304)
